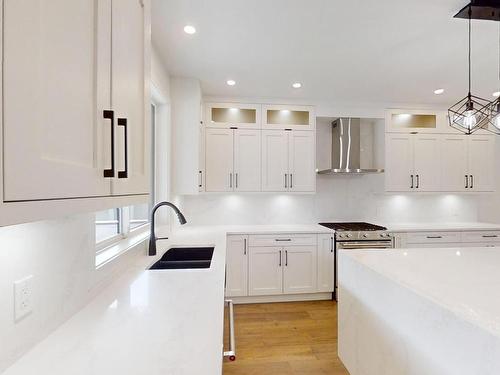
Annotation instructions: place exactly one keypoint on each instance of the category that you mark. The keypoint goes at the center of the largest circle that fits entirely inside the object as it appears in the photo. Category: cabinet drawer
(432, 237)
(282, 240)
(481, 236)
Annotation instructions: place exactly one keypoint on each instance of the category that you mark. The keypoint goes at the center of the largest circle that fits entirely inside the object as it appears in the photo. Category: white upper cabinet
(75, 118)
(454, 163)
(399, 175)
(53, 135)
(247, 160)
(130, 89)
(288, 161)
(219, 160)
(232, 161)
(439, 162)
(228, 115)
(295, 117)
(426, 149)
(481, 163)
(301, 161)
(272, 159)
(275, 160)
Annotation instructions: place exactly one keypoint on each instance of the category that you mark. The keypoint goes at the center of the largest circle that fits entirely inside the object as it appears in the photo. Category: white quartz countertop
(465, 281)
(145, 322)
(150, 322)
(440, 227)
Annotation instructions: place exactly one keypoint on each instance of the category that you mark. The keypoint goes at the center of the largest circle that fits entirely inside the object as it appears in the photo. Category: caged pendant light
(494, 114)
(472, 112)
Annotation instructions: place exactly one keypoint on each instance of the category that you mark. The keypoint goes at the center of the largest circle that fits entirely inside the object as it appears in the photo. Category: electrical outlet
(23, 297)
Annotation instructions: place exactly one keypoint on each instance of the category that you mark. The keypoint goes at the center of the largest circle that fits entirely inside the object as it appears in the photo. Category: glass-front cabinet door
(419, 121)
(227, 115)
(288, 117)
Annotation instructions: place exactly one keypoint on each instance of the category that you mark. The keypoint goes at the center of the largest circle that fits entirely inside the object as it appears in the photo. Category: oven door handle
(365, 245)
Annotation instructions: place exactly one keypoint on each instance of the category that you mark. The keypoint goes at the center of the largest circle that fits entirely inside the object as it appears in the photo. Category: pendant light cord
(470, 18)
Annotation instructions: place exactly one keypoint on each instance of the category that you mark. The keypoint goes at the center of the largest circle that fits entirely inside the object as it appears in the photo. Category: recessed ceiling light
(188, 29)
(231, 82)
(438, 91)
(496, 94)
(297, 85)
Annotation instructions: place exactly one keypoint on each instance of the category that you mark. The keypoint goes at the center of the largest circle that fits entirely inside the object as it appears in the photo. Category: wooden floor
(286, 338)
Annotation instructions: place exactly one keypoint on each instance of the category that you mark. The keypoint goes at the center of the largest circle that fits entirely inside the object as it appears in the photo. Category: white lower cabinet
(265, 271)
(237, 266)
(326, 263)
(448, 239)
(267, 265)
(299, 271)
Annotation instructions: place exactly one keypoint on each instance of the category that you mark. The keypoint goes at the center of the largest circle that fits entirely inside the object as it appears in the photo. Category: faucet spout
(152, 237)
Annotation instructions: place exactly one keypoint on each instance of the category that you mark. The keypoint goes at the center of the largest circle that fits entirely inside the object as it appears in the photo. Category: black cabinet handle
(280, 258)
(466, 182)
(291, 180)
(411, 187)
(471, 181)
(286, 258)
(124, 173)
(418, 181)
(110, 115)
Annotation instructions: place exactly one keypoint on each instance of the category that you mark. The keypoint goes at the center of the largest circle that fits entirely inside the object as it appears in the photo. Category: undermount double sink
(185, 258)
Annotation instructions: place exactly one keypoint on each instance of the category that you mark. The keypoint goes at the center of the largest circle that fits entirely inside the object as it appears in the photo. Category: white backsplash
(338, 198)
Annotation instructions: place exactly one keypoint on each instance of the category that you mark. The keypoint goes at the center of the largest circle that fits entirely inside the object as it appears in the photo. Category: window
(107, 225)
(116, 224)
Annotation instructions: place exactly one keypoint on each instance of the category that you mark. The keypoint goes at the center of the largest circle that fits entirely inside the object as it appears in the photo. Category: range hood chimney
(357, 146)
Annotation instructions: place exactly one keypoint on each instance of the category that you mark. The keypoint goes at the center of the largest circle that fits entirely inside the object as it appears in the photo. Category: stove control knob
(383, 235)
(349, 235)
(341, 235)
(365, 235)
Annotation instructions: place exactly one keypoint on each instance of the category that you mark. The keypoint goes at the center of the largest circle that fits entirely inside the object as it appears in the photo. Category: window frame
(124, 229)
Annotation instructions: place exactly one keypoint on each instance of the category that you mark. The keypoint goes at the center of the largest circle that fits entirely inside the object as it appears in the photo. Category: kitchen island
(427, 311)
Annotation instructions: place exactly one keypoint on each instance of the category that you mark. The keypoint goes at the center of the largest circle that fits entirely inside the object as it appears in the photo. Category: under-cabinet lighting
(297, 85)
(231, 82)
(438, 91)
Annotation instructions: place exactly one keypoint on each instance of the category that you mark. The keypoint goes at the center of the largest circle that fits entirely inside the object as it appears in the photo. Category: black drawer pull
(124, 173)
(110, 115)
(283, 239)
(435, 237)
(490, 236)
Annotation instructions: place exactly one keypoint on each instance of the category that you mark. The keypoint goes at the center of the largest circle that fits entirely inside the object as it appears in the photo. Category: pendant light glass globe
(494, 116)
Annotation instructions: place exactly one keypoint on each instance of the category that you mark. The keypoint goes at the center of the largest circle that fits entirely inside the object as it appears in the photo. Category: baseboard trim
(282, 298)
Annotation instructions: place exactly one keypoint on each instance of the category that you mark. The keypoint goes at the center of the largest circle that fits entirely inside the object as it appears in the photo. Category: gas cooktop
(353, 226)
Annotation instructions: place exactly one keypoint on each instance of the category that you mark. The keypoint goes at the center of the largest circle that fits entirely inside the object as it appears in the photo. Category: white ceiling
(351, 51)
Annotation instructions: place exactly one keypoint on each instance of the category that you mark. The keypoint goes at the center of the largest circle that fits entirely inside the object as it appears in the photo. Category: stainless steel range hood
(357, 146)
